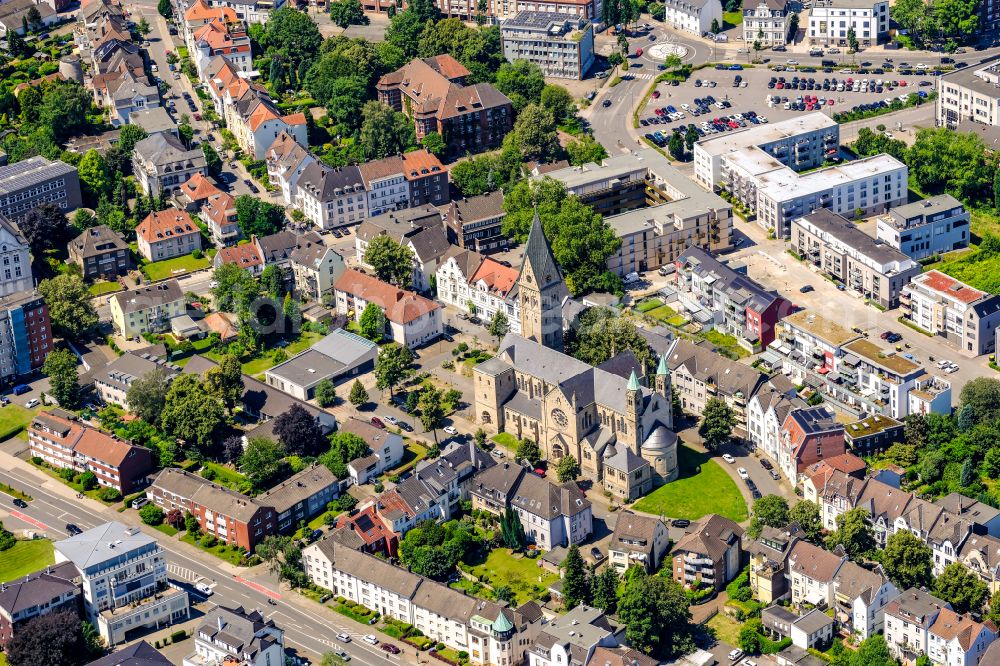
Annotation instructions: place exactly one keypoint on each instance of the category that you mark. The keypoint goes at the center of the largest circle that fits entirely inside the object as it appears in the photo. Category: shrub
(197, 254)
(208, 473)
(35, 460)
(178, 636)
(151, 514)
(440, 646)
(88, 480)
(67, 474)
(109, 494)
(208, 541)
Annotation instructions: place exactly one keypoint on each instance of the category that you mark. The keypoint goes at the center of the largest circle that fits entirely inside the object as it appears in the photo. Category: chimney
(220, 623)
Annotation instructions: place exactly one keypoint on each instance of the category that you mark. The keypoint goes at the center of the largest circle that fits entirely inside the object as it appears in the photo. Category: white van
(204, 588)
(631, 278)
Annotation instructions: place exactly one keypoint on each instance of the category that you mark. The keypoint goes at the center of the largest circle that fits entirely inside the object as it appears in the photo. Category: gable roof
(400, 306)
(711, 535)
(38, 588)
(245, 255)
(814, 562)
(164, 224)
(201, 491)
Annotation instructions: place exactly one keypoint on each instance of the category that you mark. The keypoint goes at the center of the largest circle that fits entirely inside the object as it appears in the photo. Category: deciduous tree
(347, 12)
(358, 395)
(567, 469)
(45, 227)
(262, 461)
(962, 588)
(522, 81)
(854, 533)
(656, 615)
(392, 365)
(148, 394)
(64, 382)
(806, 514)
(68, 301)
(717, 423)
(499, 325)
(907, 560)
(53, 639)
(225, 381)
(605, 590)
(191, 413)
(768, 511)
(384, 131)
(299, 433)
(390, 261)
(527, 449)
(326, 393)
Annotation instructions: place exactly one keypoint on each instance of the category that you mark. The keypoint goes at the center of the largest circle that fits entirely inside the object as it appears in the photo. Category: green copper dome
(633, 382)
(502, 625)
(661, 369)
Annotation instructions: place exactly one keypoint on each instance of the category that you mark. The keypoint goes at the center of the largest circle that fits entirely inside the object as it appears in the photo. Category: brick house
(807, 436)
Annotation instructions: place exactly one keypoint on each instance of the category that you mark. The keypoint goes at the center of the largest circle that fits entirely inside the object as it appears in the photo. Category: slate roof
(814, 562)
(737, 286)
(149, 296)
(326, 184)
(707, 366)
(136, 654)
(371, 569)
(298, 488)
(38, 588)
(634, 533)
(538, 256)
(712, 535)
(623, 459)
(916, 606)
(854, 581)
(162, 149)
(98, 240)
(238, 630)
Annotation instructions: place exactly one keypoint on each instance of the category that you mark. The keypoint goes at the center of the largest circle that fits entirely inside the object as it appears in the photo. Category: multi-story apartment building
(302, 496)
(476, 223)
(958, 639)
(865, 266)
(219, 213)
(161, 163)
(332, 198)
(48, 590)
(237, 636)
(402, 181)
(101, 253)
(768, 561)
(692, 16)
(15, 259)
(27, 184)
(808, 435)
(316, 267)
(113, 382)
(908, 620)
(766, 412)
(469, 281)
(432, 91)
(586, 633)
(766, 21)
(710, 553)
(199, 14)
(637, 540)
(64, 442)
(251, 11)
(123, 576)
(925, 228)
(167, 234)
(418, 229)
(230, 516)
(831, 22)
(25, 334)
(872, 434)
(656, 211)
(969, 95)
(221, 38)
(147, 309)
(412, 319)
(698, 374)
(562, 45)
(741, 306)
(286, 159)
(964, 316)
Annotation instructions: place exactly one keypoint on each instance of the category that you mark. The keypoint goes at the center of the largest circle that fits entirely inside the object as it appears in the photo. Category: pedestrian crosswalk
(645, 76)
(182, 572)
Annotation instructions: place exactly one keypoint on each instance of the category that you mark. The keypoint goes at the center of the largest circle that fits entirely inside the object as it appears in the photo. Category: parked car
(204, 588)
(389, 419)
(72, 529)
(370, 639)
(736, 655)
(680, 522)
(606, 103)
(743, 473)
(32, 403)
(21, 389)
(390, 648)
(766, 464)
(377, 422)
(728, 458)
(775, 475)
(450, 430)
(806, 288)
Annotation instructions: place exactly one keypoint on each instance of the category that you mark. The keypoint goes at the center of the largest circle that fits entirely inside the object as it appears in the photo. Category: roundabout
(663, 49)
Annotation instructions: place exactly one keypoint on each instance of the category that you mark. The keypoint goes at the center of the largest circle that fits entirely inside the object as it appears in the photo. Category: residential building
(14, 254)
(418, 229)
(101, 253)
(416, 178)
(29, 183)
(65, 442)
(25, 334)
(136, 654)
(958, 639)
(167, 234)
(925, 228)
(332, 198)
(692, 16)
(865, 266)
(112, 382)
(768, 561)
(808, 435)
(13, 15)
(981, 555)
(465, 460)
(467, 280)
(48, 590)
(233, 518)
(276, 249)
(908, 619)
(811, 571)
(221, 38)
(316, 267)
(762, 168)
(641, 540)
(251, 11)
(365, 531)
(146, 309)
(766, 412)
(831, 22)
(710, 553)
(562, 45)
(654, 209)
(551, 515)
(128, 94)
(931, 395)
(741, 306)
(416, 500)
(154, 120)
(964, 316)
(969, 97)
(286, 159)
(123, 577)
(193, 194)
(984, 516)
(872, 434)
(247, 256)
(302, 496)
(412, 320)
(219, 213)
(476, 223)
(574, 638)
(386, 450)
(765, 21)
(161, 163)
(338, 357)
(471, 117)
(831, 476)
(860, 597)
(812, 630)
(199, 14)
(237, 636)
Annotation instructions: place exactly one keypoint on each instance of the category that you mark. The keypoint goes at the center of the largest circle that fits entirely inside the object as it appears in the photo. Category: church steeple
(663, 387)
(541, 290)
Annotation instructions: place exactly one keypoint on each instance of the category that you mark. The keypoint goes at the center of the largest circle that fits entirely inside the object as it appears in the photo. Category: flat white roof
(761, 134)
(785, 184)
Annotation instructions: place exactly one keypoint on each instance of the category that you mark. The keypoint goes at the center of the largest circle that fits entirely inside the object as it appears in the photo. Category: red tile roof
(245, 255)
(499, 278)
(400, 306)
(198, 187)
(165, 224)
(949, 286)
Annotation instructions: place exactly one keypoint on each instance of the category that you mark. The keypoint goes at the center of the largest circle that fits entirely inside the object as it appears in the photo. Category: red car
(656, 94)
(390, 648)
(197, 116)
(638, 53)
(377, 422)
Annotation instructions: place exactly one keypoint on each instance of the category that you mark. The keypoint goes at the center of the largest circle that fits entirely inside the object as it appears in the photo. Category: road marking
(182, 572)
(28, 519)
(256, 586)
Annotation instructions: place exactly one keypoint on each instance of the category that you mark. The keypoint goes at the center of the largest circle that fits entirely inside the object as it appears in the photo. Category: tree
(852, 40)
(165, 8)
(690, 138)
(326, 393)
(283, 556)
(148, 394)
(601, 334)
(142, 27)
(585, 149)
(907, 560)
(45, 227)
(94, 177)
(716, 28)
(292, 37)
(556, 100)
(717, 423)
(574, 582)
(511, 529)
(953, 162)
(299, 433)
(873, 651)
(534, 134)
(343, 96)
(605, 590)
(191, 524)
(152, 514)
(191, 413)
(806, 514)
(347, 12)
(854, 533)
(390, 261)
(676, 146)
(272, 281)
(522, 82)
(53, 639)
(527, 449)
(258, 218)
(262, 461)
(234, 288)
(962, 588)
(769, 511)
(911, 15)
(982, 396)
(332, 659)
(359, 395)
(499, 325)
(225, 381)
(568, 469)
(750, 634)
(656, 615)
(64, 382)
(384, 131)
(392, 365)
(435, 144)
(213, 163)
(431, 411)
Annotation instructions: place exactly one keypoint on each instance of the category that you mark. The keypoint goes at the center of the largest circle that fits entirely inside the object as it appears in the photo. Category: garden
(702, 488)
(502, 567)
(14, 419)
(25, 557)
(168, 268)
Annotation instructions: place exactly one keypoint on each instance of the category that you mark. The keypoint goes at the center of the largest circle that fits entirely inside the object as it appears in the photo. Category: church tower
(541, 290)
(664, 388)
(633, 411)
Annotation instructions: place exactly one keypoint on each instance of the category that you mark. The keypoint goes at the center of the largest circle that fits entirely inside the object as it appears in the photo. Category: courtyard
(504, 568)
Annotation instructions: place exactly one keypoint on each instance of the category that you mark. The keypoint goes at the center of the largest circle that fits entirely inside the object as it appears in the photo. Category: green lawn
(412, 454)
(230, 554)
(649, 304)
(160, 270)
(226, 476)
(320, 520)
(506, 440)
(726, 342)
(976, 270)
(521, 574)
(169, 530)
(703, 488)
(731, 19)
(661, 312)
(13, 419)
(25, 557)
(99, 288)
(265, 361)
(726, 629)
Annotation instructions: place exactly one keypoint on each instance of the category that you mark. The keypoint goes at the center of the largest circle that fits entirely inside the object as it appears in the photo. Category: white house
(693, 16)
(467, 280)
(412, 320)
(237, 636)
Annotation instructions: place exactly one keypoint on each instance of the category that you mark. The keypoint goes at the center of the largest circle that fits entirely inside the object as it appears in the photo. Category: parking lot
(711, 97)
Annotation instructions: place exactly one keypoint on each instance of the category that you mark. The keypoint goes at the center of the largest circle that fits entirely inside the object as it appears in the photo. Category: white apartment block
(467, 278)
(562, 45)
(766, 22)
(958, 640)
(969, 95)
(966, 317)
(831, 21)
(332, 198)
(693, 16)
(925, 228)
